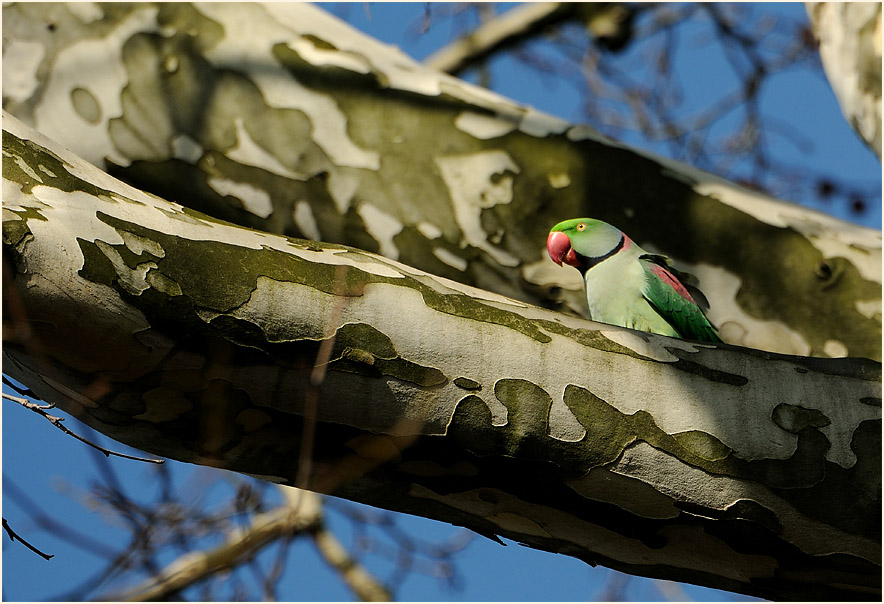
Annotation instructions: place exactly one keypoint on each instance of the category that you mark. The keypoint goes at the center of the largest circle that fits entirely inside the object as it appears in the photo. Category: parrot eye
(581, 226)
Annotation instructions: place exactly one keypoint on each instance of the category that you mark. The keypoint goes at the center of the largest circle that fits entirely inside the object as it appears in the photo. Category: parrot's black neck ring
(591, 262)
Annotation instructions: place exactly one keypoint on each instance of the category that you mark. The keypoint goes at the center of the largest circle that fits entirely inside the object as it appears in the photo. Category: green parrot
(627, 286)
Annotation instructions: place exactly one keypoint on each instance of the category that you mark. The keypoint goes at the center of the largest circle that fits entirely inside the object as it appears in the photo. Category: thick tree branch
(621, 448)
(310, 129)
(849, 34)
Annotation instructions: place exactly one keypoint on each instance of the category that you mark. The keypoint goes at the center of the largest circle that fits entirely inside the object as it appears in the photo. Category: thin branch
(512, 27)
(274, 575)
(408, 553)
(615, 588)
(56, 421)
(301, 512)
(360, 581)
(26, 403)
(16, 537)
(58, 529)
(323, 356)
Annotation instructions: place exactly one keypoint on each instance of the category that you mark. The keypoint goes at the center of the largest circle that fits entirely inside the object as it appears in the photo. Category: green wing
(671, 298)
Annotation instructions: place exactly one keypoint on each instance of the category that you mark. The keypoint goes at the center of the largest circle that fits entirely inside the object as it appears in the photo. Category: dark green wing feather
(674, 301)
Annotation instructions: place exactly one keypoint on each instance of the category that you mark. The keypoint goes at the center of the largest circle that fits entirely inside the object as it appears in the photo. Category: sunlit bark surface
(307, 128)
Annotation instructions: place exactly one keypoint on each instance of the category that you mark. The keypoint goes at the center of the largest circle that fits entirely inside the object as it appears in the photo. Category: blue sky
(54, 470)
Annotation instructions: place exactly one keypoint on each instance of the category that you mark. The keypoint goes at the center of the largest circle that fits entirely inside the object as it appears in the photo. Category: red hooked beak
(558, 244)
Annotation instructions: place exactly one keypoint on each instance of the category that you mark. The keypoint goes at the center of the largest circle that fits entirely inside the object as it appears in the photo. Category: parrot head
(583, 242)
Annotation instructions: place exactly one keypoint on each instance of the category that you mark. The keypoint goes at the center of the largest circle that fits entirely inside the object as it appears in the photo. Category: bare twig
(615, 587)
(514, 26)
(58, 529)
(409, 554)
(16, 537)
(362, 583)
(56, 421)
(275, 573)
(301, 512)
(323, 356)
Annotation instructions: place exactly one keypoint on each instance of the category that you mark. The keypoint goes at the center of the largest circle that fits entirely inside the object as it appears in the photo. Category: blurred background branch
(624, 59)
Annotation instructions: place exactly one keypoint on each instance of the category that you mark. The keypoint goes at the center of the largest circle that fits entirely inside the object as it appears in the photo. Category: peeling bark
(196, 339)
(308, 128)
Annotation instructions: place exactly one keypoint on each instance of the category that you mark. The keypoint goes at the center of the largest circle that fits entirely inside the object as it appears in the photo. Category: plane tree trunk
(345, 372)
